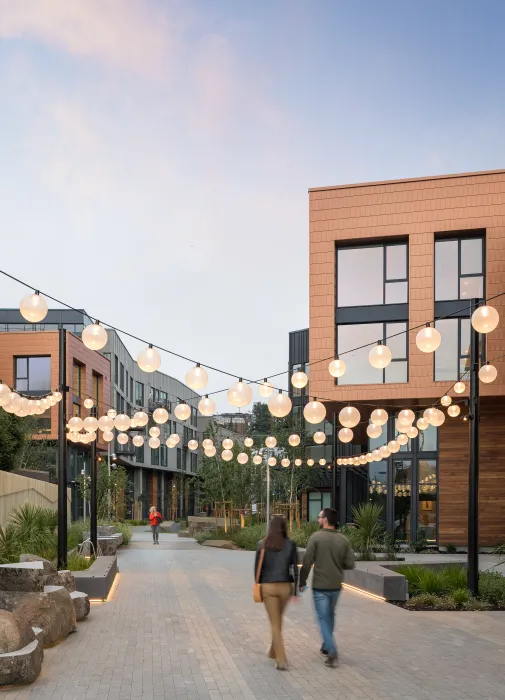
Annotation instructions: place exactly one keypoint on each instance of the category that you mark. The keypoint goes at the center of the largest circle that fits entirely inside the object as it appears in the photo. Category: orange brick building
(387, 256)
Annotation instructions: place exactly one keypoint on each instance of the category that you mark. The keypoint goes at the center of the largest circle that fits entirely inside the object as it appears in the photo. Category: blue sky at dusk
(156, 155)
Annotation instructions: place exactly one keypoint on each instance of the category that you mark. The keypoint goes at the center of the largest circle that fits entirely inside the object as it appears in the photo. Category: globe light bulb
(91, 437)
(75, 424)
(429, 413)
(384, 452)
(339, 461)
(257, 459)
(322, 462)
(310, 462)
(5, 395)
(362, 459)
(271, 461)
(376, 455)
(207, 443)
(57, 395)
(459, 387)
(380, 356)
(122, 438)
(94, 336)
(369, 457)
(210, 451)
(197, 378)
(412, 432)
(242, 458)
(270, 441)
(227, 444)
(122, 422)
(107, 436)
(319, 437)
(154, 431)
(149, 359)
(227, 455)
(454, 410)
(248, 442)
(88, 403)
(298, 462)
(294, 440)
(193, 445)
(446, 400)
(33, 408)
(14, 404)
(90, 424)
(141, 418)
(299, 380)
(206, 406)
(485, 319)
(337, 368)
(402, 439)
(265, 389)
(285, 462)
(160, 416)
(182, 411)
(349, 417)
(52, 400)
(422, 424)
(428, 339)
(112, 413)
(374, 431)
(394, 446)
(154, 443)
(33, 308)
(355, 461)
(379, 416)
(175, 439)
(314, 412)
(279, 405)
(240, 394)
(345, 435)
(133, 422)
(24, 408)
(406, 416)
(138, 440)
(437, 418)
(488, 373)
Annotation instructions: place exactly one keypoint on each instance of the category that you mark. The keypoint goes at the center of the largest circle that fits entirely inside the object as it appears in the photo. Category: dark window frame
(458, 237)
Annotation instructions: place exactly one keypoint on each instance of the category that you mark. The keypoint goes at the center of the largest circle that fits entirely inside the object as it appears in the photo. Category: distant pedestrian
(330, 553)
(155, 518)
(276, 569)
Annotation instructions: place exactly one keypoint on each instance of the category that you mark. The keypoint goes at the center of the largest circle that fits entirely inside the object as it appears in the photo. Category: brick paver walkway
(181, 624)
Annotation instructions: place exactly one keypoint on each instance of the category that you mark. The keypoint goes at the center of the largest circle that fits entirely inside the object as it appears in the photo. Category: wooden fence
(16, 490)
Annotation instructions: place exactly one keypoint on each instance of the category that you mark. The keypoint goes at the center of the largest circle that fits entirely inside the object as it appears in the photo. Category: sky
(155, 155)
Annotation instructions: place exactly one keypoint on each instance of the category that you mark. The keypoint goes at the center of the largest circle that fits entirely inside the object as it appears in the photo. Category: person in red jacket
(155, 518)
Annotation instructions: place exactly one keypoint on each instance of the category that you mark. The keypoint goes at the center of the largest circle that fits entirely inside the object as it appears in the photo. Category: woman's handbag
(257, 595)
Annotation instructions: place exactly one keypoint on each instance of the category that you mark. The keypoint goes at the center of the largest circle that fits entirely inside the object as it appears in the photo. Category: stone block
(48, 565)
(52, 610)
(15, 633)
(379, 580)
(220, 544)
(169, 527)
(67, 580)
(39, 634)
(81, 604)
(108, 546)
(29, 576)
(22, 666)
(98, 579)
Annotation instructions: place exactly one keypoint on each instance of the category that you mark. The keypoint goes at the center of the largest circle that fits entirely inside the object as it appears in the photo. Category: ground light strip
(363, 592)
(115, 584)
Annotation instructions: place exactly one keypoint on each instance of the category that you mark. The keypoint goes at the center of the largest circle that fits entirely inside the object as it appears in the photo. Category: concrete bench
(98, 579)
(380, 580)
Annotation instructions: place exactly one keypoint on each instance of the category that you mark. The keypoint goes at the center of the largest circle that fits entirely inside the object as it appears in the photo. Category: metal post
(473, 475)
(62, 452)
(268, 495)
(109, 458)
(181, 497)
(334, 502)
(93, 515)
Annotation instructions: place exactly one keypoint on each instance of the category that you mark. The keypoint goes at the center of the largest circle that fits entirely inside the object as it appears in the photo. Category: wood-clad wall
(453, 477)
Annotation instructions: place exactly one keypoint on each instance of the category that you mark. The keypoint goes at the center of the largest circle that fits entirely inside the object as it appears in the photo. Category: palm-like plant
(34, 530)
(368, 529)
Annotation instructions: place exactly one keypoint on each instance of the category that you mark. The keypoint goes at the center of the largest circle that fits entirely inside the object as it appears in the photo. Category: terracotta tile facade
(417, 210)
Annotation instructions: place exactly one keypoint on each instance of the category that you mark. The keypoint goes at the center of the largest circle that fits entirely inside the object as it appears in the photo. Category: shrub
(351, 534)
(301, 536)
(204, 535)
(369, 529)
(389, 546)
(424, 601)
(76, 532)
(477, 605)
(76, 562)
(460, 596)
(34, 530)
(492, 588)
(248, 537)
(453, 578)
(451, 548)
(125, 529)
(419, 544)
(136, 523)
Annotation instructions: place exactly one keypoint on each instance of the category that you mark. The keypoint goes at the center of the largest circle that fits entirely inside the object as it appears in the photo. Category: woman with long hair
(276, 569)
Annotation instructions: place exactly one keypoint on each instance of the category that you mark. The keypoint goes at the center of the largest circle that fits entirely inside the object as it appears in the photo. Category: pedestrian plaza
(180, 623)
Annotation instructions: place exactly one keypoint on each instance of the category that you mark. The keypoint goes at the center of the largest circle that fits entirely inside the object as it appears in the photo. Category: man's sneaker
(332, 661)
(323, 651)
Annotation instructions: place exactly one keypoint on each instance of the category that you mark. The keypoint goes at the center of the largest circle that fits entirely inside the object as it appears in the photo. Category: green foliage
(37, 452)
(301, 536)
(369, 529)
(352, 535)
(248, 537)
(125, 529)
(116, 482)
(439, 581)
(477, 604)
(451, 548)
(461, 597)
(390, 546)
(137, 523)
(30, 530)
(492, 588)
(261, 422)
(12, 439)
(76, 532)
(424, 601)
(420, 544)
(76, 562)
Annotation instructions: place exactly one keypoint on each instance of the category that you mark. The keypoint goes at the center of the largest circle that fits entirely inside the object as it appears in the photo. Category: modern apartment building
(163, 477)
(385, 257)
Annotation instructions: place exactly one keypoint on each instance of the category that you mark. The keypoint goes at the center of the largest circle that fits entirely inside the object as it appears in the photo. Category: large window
(139, 393)
(372, 275)
(402, 484)
(121, 376)
(452, 359)
(428, 491)
(359, 370)
(33, 374)
(317, 501)
(459, 268)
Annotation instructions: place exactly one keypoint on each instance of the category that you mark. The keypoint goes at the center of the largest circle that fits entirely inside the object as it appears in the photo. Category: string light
(374, 431)
(488, 373)
(349, 417)
(197, 378)
(266, 389)
(154, 443)
(90, 424)
(207, 443)
(122, 438)
(88, 403)
(141, 418)
(485, 319)
(454, 410)
(206, 406)
(193, 445)
(226, 455)
(242, 458)
(182, 411)
(345, 435)
(319, 437)
(160, 415)
(314, 412)
(299, 380)
(122, 422)
(379, 416)
(240, 394)
(298, 462)
(271, 461)
(270, 441)
(257, 459)
(149, 359)
(337, 368)
(94, 336)
(459, 387)
(138, 440)
(248, 442)
(154, 431)
(210, 451)
(227, 444)
(285, 462)
(294, 440)
(33, 308)
(422, 424)
(428, 339)
(310, 462)
(380, 356)
(446, 400)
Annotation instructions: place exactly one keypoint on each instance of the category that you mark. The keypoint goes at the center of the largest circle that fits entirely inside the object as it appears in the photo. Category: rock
(103, 531)
(14, 633)
(67, 580)
(25, 576)
(52, 610)
(39, 634)
(22, 666)
(183, 533)
(81, 604)
(220, 544)
(168, 526)
(48, 566)
(108, 546)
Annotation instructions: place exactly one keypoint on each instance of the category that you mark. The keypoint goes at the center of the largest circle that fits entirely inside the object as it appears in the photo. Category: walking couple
(276, 571)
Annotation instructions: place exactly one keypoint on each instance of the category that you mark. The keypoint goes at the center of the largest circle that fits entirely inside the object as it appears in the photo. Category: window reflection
(471, 288)
(428, 439)
(351, 263)
(377, 486)
(446, 357)
(396, 292)
(428, 491)
(396, 262)
(471, 256)
(402, 471)
(459, 269)
(446, 270)
(359, 370)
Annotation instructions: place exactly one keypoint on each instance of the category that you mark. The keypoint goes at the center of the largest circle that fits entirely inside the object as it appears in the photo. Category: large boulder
(67, 580)
(81, 604)
(15, 633)
(21, 666)
(26, 576)
(108, 546)
(52, 610)
(48, 565)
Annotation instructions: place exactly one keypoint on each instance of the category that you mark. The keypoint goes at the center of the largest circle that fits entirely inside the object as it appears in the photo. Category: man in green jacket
(330, 554)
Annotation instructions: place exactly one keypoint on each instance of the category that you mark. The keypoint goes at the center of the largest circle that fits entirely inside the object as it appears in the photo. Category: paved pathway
(181, 624)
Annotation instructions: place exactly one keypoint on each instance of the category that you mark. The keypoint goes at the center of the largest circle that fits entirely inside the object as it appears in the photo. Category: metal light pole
(62, 451)
(473, 471)
(334, 503)
(93, 515)
(268, 495)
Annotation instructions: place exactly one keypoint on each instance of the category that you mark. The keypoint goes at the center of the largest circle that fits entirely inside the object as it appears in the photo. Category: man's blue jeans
(325, 603)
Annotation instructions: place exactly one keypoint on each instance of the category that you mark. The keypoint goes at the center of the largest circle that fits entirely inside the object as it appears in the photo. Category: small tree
(116, 483)
(12, 440)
